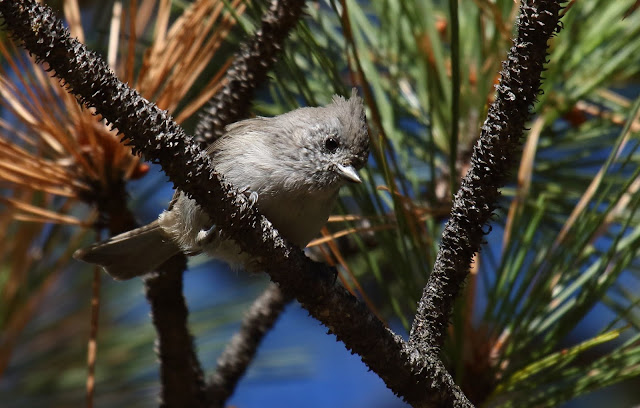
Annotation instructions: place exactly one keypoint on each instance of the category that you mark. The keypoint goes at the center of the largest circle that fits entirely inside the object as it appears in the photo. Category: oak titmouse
(291, 166)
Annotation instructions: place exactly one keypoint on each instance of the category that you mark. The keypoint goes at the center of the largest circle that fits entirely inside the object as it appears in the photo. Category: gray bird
(291, 166)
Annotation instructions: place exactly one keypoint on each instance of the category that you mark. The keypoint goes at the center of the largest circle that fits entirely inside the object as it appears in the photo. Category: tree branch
(249, 70)
(239, 352)
(180, 371)
(493, 157)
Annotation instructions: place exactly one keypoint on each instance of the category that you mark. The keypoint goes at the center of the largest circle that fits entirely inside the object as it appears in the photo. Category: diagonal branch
(494, 155)
(419, 379)
(249, 69)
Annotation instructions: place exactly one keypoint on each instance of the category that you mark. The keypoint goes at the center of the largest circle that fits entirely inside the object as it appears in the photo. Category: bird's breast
(299, 219)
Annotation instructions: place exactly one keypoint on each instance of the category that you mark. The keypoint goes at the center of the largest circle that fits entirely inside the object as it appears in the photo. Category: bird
(290, 166)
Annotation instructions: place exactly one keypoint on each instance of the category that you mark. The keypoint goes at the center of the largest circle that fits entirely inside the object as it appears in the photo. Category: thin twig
(249, 70)
(181, 375)
(180, 372)
(493, 158)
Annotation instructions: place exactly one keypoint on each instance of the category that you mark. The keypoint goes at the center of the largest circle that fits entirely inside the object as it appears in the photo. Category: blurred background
(549, 315)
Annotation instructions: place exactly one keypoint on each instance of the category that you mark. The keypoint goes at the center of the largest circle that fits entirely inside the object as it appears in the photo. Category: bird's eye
(331, 144)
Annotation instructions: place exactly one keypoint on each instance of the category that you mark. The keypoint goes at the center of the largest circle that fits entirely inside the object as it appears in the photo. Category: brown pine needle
(344, 218)
(207, 93)
(589, 193)
(92, 345)
(33, 210)
(525, 173)
(615, 118)
(114, 35)
(333, 247)
(327, 238)
(72, 15)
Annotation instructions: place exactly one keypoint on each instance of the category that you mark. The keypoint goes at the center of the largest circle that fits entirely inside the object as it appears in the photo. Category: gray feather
(133, 253)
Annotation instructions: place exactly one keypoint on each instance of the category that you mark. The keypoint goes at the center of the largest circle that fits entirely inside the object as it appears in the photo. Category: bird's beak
(349, 173)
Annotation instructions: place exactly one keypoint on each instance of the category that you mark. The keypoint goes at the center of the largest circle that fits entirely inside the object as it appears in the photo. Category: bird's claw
(205, 237)
(252, 196)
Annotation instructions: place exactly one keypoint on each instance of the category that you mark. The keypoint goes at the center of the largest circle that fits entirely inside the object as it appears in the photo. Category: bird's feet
(206, 237)
(252, 196)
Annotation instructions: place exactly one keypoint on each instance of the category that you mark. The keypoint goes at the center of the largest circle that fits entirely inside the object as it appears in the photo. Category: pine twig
(180, 372)
(249, 70)
(494, 155)
(181, 375)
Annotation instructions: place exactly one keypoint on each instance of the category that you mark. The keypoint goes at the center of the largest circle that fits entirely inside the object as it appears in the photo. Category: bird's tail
(133, 253)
